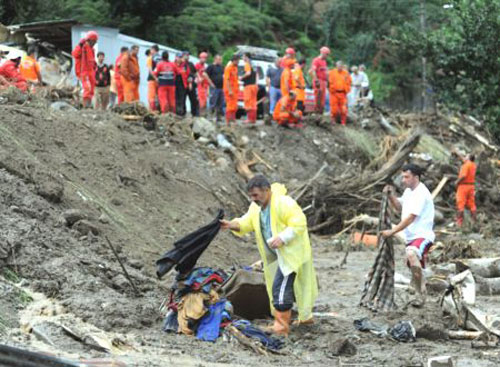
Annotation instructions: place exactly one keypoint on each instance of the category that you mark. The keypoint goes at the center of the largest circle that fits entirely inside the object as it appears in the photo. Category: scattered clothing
(189, 248)
(209, 327)
(254, 332)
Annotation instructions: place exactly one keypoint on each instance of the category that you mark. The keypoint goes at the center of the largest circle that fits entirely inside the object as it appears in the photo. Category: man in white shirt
(355, 93)
(365, 83)
(417, 222)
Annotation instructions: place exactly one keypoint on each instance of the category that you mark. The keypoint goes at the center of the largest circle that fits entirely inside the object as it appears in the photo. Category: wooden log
(247, 342)
(439, 187)
(464, 334)
(486, 268)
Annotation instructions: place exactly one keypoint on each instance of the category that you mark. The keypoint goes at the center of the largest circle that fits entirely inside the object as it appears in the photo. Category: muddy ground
(70, 179)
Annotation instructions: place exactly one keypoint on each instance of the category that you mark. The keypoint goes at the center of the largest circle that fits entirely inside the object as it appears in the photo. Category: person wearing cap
(287, 81)
(191, 91)
(203, 81)
(151, 61)
(300, 84)
(286, 112)
(30, 68)
(118, 75)
(319, 75)
(85, 65)
(165, 74)
(417, 222)
(289, 55)
(250, 89)
(339, 85)
(10, 76)
(231, 88)
(130, 75)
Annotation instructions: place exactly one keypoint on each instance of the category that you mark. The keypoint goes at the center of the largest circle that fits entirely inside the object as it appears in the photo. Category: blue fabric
(274, 97)
(253, 332)
(208, 329)
(198, 275)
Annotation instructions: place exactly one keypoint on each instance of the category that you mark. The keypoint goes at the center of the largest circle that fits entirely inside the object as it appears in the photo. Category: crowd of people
(213, 88)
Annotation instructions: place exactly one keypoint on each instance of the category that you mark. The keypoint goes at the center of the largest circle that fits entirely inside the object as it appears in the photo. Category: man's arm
(207, 78)
(393, 200)
(399, 227)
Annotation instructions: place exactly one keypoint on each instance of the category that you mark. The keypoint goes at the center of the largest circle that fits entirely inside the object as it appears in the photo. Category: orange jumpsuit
(152, 84)
(130, 76)
(465, 190)
(10, 72)
(287, 80)
(319, 69)
(85, 67)
(339, 84)
(29, 69)
(299, 87)
(250, 93)
(118, 79)
(203, 85)
(230, 81)
(282, 113)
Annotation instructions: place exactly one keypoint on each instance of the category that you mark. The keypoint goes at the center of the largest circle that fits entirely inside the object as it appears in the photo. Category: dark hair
(148, 52)
(134, 47)
(302, 61)
(156, 48)
(100, 53)
(123, 49)
(235, 56)
(247, 54)
(31, 50)
(258, 181)
(472, 157)
(164, 55)
(413, 168)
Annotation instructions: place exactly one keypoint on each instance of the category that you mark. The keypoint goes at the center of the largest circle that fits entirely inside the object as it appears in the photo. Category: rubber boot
(282, 322)
(460, 218)
(253, 116)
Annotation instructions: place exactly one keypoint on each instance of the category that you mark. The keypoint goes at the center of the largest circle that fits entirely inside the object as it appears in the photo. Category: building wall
(111, 40)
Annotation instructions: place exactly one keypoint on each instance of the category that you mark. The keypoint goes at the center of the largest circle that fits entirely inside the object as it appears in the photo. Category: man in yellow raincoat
(280, 229)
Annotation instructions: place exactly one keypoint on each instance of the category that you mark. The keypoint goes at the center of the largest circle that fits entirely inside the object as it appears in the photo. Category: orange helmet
(290, 51)
(324, 50)
(92, 35)
(203, 55)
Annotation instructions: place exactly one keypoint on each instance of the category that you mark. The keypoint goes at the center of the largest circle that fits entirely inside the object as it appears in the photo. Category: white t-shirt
(365, 83)
(418, 202)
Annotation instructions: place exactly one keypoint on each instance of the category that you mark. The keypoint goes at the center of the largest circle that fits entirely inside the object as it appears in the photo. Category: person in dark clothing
(215, 73)
(273, 83)
(180, 86)
(103, 82)
(191, 84)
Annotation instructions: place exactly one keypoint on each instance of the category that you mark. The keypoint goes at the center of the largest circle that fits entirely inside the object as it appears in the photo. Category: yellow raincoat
(296, 253)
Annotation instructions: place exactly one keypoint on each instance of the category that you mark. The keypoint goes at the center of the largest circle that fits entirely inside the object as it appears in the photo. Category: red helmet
(324, 50)
(290, 51)
(92, 35)
(203, 55)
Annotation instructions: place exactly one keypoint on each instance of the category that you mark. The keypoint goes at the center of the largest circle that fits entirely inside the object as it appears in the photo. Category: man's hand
(387, 233)
(276, 242)
(389, 189)
(231, 225)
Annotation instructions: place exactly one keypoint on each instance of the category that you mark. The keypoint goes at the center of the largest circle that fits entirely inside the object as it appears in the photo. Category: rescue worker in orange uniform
(339, 85)
(10, 76)
(118, 76)
(300, 84)
(30, 68)
(319, 76)
(151, 61)
(250, 89)
(465, 187)
(231, 88)
(130, 74)
(287, 79)
(166, 73)
(85, 65)
(286, 112)
(290, 55)
(202, 81)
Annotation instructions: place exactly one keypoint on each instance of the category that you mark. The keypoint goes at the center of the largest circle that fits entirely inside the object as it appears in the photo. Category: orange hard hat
(324, 50)
(290, 51)
(92, 35)
(203, 55)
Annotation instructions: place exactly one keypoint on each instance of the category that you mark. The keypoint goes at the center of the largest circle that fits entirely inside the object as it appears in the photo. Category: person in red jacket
(118, 75)
(10, 75)
(165, 74)
(319, 74)
(85, 65)
(203, 81)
